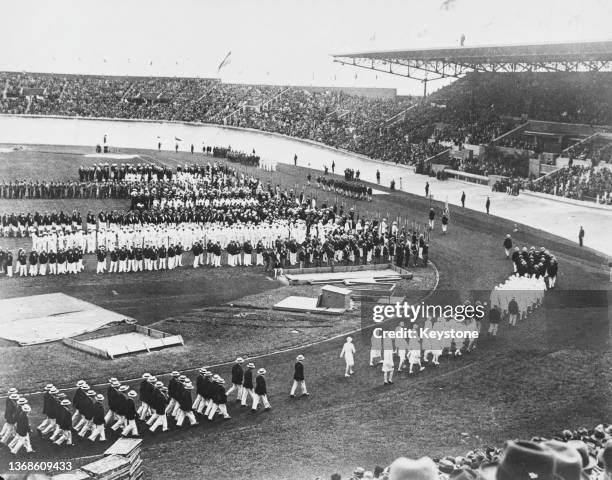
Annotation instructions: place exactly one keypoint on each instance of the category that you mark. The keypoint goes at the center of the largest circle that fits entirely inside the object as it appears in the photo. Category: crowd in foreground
(583, 454)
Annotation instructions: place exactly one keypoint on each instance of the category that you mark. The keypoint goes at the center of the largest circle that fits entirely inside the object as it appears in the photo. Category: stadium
(203, 277)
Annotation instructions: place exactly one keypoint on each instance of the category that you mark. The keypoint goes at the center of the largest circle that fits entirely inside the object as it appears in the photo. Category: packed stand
(579, 183)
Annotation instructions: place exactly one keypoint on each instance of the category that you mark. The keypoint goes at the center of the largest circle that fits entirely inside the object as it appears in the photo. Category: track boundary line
(263, 355)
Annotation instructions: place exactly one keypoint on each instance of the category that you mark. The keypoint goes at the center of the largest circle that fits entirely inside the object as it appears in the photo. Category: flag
(224, 62)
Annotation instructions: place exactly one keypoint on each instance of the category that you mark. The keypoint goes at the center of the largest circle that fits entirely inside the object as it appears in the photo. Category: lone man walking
(348, 352)
(581, 236)
(298, 377)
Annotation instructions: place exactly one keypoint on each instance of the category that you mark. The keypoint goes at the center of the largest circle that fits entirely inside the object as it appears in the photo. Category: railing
(393, 120)
(508, 133)
(443, 153)
(539, 179)
(467, 177)
(579, 143)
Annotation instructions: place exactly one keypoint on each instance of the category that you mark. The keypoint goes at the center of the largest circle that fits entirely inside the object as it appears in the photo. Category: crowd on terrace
(579, 183)
(473, 110)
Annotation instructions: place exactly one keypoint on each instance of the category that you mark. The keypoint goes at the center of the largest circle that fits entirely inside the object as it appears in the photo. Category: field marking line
(264, 355)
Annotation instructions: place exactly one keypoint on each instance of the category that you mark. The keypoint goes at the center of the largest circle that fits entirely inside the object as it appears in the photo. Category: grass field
(550, 373)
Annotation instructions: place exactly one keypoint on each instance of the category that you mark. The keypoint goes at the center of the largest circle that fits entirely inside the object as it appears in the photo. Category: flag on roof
(225, 61)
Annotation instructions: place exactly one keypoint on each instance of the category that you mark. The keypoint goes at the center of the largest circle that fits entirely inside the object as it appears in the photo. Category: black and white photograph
(306, 240)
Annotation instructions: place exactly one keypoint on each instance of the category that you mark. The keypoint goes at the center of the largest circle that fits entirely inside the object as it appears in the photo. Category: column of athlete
(352, 189)
(180, 400)
(326, 237)
(531, 263)
(277, 220)
(534, 272)
(215, 210)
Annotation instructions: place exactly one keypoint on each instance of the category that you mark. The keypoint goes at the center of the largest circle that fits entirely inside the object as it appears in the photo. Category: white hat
(12, 390)
(132, 394)
(239, 360)
(299, 358)
(99, 397)
(261, 371)
(26, 408)
(146, 375)
(406, 469)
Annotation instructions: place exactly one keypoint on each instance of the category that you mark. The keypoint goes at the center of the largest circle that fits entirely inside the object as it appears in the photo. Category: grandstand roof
(457, 61)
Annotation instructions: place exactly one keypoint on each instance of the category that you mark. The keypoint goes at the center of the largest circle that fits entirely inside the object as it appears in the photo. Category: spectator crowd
(578, 183)
(475, 109)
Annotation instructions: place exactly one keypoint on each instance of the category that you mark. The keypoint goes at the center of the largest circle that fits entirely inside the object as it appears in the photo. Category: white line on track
(263, 355)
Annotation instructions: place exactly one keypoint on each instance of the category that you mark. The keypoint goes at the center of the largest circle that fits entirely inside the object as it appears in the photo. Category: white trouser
(301, 383)
(130, 428)
(144, 410)
(65, 436)
(85, 428)
(98, 431)
(221, 408)
(237, 387)
(246, 392)
(263, 398)
(211, 406)
(101, 267)
(171, 406)
(161, 420)
(182, 414)
(22, 442)
(8, 430)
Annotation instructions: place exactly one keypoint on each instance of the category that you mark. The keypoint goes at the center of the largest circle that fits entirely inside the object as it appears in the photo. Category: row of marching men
(15, 432)
(86, 415)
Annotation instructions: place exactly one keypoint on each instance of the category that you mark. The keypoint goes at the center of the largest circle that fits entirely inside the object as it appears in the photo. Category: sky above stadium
(273, 41)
